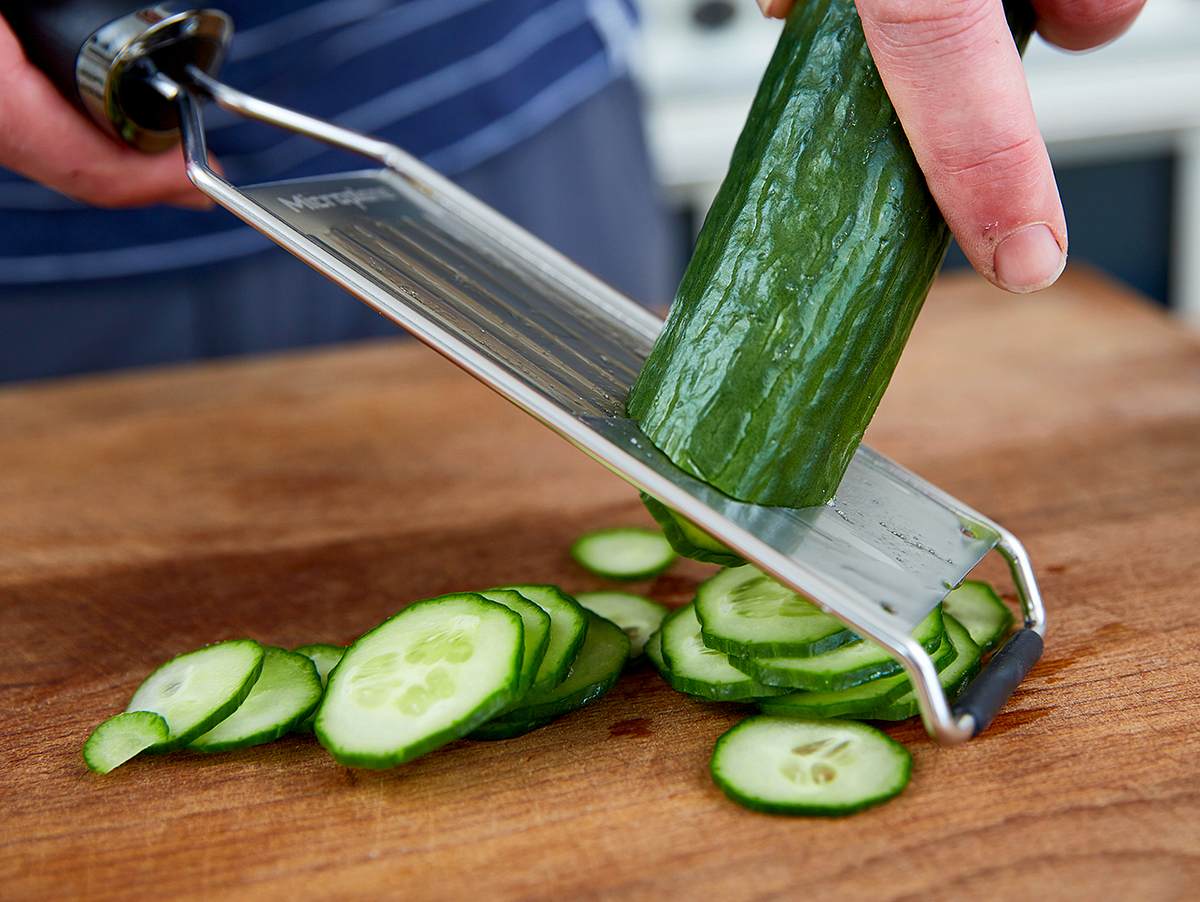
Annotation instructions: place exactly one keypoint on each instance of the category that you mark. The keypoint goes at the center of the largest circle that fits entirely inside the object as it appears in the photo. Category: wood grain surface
(305, 497)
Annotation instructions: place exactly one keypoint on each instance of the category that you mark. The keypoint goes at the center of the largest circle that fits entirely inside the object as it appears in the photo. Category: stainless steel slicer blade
(566, 348)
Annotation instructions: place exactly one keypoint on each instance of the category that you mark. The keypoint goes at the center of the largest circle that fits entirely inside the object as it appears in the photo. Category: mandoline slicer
(542, 332)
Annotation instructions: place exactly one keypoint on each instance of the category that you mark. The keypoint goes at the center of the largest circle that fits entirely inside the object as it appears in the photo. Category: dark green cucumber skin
(808, 274)
(679, 540)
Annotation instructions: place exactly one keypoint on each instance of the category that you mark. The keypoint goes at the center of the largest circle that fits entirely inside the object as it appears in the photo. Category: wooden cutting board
(306, 497)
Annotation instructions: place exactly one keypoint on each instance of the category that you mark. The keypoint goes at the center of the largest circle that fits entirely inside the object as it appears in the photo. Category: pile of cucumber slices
(498, 663)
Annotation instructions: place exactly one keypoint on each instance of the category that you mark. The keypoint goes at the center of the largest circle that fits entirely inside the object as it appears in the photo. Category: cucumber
(639, 617)
(853, 701)
(625, 552)
(123, 737)
(687, 538)
(195, 691)
(428, 675)
(536, 624)
(324, 657)
(594, 672)
(745, 612)
(954, 678)
(781, 765)
(654, 652)
(810, 269)
(691, 666)
(978, 607)
(842, 668)
(284, 695)
(568, 628)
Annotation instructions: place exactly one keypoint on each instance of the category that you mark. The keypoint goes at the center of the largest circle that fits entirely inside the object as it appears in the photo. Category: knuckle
(929, 24)
(1004, 161)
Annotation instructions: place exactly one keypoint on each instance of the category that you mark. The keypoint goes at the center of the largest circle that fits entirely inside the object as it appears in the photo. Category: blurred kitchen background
(1122, 124)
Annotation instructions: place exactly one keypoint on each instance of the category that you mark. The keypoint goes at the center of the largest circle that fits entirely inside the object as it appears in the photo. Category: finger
(954, 75)
(776, 9)
(46, 139)
(1082, 24)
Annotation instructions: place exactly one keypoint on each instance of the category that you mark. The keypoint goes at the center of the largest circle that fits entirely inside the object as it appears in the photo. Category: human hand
(45, 138)
(955, 78)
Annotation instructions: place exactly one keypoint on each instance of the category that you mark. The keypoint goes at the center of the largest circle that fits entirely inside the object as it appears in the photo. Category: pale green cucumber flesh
(694, 668)
(978, 607)
(568, 629)
(123, 737)
(595, 671)
(325, 657)
(625, 552)
(746, 612)
(842, 668)
(784, 765)
(427, 676)
(195, 691)
(637, 615)
(536, 624)
(284, 695)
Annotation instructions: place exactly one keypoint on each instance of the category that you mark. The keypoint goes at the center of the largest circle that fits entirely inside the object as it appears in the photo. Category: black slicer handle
(91, 50)
(988, 692)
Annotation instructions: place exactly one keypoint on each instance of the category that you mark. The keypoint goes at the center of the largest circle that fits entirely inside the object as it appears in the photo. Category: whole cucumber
(807, 276)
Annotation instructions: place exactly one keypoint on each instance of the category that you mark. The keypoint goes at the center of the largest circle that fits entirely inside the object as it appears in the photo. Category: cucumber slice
(594, 672)
(954, 678)
(694, 668)
(568, 628)
(854, 701)
(826, 767)
(745, 612)
(325, 658)
(285, 694)
(842, 668)
(536, 624)
(636, 615)
(425, 677)
(978, 607)
(122, 737)
(653, 651)
(687, 538)
(626, 552)
(195, 691)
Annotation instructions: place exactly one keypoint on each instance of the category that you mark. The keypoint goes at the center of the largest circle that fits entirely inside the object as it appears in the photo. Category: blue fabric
(454, 81)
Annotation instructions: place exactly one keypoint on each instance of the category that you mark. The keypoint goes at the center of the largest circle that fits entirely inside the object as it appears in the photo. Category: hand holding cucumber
(954, 76)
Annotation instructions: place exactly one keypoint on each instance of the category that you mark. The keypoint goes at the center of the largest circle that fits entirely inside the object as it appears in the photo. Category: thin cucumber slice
(425, 677)
(636, 615)
(536, 624)
(594, 672)
(568, 628)
(978, 607)
(285, 694)
(653, 651)
(324, 657)
(842, 668)
(694, 668)
(781, 765)
(687, 538)
(626, 552)
(953, 679)
(745, 612)
(854, 701)
(196, 691)
(123, 737)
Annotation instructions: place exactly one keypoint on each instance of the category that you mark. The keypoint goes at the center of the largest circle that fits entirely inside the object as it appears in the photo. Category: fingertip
(1085, 24)
(776, 9)
(1029, 259)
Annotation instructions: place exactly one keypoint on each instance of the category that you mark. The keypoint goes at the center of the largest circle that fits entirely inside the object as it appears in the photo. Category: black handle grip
(988, 692)
(52, 33)
(97, 53)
